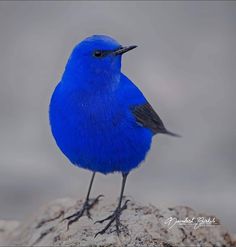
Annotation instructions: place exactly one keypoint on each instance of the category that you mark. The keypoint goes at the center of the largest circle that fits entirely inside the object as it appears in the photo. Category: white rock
(146, 227)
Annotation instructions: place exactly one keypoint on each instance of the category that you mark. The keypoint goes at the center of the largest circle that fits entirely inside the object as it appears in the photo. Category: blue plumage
(100, 120)
(91, 111)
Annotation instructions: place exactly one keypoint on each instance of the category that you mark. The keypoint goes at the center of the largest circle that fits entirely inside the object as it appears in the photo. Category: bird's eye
(97, 53)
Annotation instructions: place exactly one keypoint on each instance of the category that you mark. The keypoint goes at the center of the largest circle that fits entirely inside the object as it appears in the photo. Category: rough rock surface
(146, 226)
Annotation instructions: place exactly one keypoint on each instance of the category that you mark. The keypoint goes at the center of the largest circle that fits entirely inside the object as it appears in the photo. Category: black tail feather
(167, 132)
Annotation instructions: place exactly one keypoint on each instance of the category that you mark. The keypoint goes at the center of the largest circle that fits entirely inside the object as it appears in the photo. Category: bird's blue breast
(98, 131)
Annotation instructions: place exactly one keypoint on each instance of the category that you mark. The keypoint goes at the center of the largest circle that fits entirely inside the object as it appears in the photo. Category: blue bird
(100, 120)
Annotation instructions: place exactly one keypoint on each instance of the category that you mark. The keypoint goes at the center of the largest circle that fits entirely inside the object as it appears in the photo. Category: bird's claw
(115, 217)
(87, 206)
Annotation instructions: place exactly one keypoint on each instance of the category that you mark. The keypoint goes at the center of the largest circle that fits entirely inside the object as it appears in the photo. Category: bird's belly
(103, 145)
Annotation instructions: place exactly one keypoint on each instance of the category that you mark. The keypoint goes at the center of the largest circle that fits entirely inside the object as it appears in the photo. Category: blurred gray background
(185, 65)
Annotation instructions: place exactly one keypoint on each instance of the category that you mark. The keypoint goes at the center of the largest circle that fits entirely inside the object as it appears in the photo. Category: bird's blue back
(91, 112)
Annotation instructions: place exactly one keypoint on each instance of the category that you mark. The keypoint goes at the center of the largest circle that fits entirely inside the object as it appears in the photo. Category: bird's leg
(115, 216)
(88, 204)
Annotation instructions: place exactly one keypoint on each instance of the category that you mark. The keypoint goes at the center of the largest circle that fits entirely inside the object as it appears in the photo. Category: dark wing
(147, 117)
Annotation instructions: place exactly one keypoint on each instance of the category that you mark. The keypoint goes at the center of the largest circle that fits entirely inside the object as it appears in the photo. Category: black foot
(115, 217)
(88, 204)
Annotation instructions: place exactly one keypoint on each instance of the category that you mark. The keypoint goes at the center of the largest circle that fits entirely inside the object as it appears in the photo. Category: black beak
(123, 50)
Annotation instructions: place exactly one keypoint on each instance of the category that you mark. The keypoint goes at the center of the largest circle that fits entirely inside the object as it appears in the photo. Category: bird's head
(96, 56)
